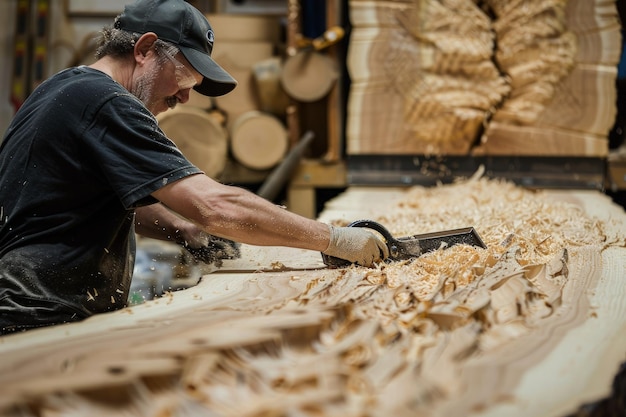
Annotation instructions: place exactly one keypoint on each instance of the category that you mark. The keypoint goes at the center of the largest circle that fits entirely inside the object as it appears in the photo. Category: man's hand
(211, 249)
(356, 244)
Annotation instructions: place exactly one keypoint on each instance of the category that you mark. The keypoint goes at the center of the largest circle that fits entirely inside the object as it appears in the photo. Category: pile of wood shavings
(463, 301)
(523, 231)
(404, 338)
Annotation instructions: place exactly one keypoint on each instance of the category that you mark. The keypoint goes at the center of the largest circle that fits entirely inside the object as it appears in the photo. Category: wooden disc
(199, 137)
(308, 76)
(258, 140)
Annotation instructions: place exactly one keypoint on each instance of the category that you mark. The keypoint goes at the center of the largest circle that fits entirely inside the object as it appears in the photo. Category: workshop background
(240, 138)
(424, 115)
(313, 114)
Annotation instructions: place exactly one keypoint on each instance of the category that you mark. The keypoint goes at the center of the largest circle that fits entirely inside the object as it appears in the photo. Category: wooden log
(531, 325)
(308, 76)
(258, 140)
(199, 136)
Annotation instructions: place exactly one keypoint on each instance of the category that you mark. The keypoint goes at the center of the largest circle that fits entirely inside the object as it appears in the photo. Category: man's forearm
(157, 222)
(237, 214)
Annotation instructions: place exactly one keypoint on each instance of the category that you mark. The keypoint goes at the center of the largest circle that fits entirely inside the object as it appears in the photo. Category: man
(83, 166)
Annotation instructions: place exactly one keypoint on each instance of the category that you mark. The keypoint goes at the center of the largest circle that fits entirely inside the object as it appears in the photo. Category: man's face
(165, 81)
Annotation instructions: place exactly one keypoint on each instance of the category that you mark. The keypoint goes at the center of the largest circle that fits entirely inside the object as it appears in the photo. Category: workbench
(313, 175)
(272, 333)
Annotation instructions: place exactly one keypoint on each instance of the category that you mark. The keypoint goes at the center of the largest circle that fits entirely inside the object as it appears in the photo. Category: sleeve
(133, 153)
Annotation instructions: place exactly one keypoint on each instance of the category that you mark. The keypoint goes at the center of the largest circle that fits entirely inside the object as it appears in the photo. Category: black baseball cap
(181, 24)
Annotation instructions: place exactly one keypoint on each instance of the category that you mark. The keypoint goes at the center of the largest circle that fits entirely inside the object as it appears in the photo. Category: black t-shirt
(79, 156)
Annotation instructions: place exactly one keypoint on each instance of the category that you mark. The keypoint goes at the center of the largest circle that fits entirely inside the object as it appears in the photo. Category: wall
(7, 12)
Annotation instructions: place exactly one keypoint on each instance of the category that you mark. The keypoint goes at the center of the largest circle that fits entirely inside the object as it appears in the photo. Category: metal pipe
(281, 174)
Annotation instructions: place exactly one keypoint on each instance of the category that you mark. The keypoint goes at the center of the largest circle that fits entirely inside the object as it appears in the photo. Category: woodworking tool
(328, 38)
(409, 247)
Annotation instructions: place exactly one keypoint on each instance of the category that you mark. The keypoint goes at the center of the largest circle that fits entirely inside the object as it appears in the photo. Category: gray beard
(144, 88)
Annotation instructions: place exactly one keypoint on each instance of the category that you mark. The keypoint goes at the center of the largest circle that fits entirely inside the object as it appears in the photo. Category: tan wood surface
(506, 139)
(276, 331)
(439, 79)
(335, 100)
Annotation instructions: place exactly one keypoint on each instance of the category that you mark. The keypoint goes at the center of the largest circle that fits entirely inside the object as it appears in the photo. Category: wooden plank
(383, 129)
(507, 139)
(514, 378)
(320, 174)
(334, 101)
(556, 70)
(400, 339)
(585, 102)
(592, 15)
(403, 86)
(588, 51)
(306, 179)
(581, 99)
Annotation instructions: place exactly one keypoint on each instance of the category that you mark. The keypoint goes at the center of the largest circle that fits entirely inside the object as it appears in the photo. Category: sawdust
(492, 296)
(402, 338)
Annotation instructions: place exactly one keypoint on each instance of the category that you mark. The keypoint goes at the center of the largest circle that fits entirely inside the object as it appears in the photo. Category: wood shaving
(403, 338)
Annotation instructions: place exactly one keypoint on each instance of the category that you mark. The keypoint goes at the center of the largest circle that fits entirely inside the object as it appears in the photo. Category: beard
(144, 88)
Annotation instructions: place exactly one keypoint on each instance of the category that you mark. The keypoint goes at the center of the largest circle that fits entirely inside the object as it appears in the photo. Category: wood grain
(432, 78)
(532, 325)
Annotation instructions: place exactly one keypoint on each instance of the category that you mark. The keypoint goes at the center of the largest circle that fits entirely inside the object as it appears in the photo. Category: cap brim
(217, 81)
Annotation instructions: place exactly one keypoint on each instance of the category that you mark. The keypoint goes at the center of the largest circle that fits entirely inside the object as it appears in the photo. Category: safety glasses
(184, 77)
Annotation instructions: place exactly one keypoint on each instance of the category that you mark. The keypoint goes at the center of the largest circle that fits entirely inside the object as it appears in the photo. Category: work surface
(531, 326)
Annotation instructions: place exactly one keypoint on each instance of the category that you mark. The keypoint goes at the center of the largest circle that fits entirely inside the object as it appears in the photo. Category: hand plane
(403, 248)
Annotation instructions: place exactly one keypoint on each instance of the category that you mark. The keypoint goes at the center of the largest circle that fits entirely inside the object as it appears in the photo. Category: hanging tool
(330, 37)
(409, 247)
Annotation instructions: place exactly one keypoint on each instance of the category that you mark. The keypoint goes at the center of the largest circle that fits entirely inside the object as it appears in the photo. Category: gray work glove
(212, 250)
(357, 245)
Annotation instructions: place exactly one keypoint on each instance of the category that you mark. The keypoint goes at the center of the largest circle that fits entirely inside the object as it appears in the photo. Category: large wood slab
(532, 325)
(444, 78)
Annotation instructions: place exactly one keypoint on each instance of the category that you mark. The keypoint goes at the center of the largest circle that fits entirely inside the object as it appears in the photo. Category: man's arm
(234, 213)
(157, 222)
(237, 214)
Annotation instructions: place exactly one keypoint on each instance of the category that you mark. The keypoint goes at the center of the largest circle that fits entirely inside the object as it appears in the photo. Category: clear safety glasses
(184, 77)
